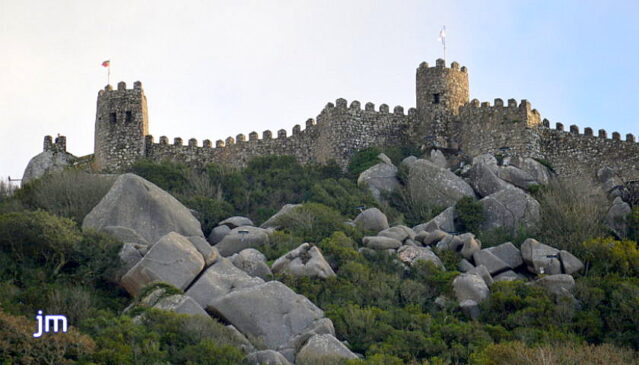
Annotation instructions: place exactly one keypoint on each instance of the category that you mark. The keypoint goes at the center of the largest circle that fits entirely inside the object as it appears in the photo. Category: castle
(444, 118)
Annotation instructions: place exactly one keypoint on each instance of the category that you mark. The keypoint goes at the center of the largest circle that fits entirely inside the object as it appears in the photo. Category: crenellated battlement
(441, 64)
(574, 130)
(347, 126)
(443, 117)
(59, 145)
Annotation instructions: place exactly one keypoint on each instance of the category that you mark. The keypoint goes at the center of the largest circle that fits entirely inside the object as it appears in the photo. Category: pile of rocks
(400, 240)
(164, 243)
(552, 269)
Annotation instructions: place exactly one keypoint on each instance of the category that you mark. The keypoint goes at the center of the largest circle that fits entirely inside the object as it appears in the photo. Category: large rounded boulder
(142, 206)
(47, 162)
(435, 186)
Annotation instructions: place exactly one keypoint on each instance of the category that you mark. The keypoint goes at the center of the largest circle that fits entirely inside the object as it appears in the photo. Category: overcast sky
(213, 69)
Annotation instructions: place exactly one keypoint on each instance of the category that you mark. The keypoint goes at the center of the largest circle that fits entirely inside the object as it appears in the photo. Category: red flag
(106, 63)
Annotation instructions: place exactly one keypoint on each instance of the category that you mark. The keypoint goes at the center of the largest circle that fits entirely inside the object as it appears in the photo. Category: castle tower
(121, 122)
(440, 92)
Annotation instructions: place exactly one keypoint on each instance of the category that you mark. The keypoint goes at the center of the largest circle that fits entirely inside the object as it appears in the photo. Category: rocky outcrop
(274, 221)
(323, 349)
(237, 221)
(435, 186)
(540, 258)
(306, 260)
(412, 254)
(271, 312)
(266, 357)
(371, 219)
(45, 163)
(560, 284)
(209, 253)
(482, 176)
(218, 280)
(616, 218)
(400, 233)
(173, 260)
(140, 205)
(379, 179)
(252, 262)
(125, 234)
(381, 243)
(444, 221)
(180, 304)
(241, 238)
(510, 209)
(470, 287)
(217, 234)
(539, 172)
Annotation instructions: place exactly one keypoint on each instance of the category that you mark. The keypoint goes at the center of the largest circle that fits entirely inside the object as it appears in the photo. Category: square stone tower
(121, 122)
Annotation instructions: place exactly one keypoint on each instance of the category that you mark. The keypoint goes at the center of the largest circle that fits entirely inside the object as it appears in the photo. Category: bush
(18, 346)
(36, 239)
(313, 222)
(209, 211)
(338, 249)
(470, 214)
(363, 160)
(342, 195)
(414, 210)
(553, 354)
(70, 193)
(168, 175)
(571, 212)
(633, 223)
(604, 256)
(163, 337)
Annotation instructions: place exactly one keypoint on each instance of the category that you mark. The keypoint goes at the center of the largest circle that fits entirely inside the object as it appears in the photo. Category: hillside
(405, 257)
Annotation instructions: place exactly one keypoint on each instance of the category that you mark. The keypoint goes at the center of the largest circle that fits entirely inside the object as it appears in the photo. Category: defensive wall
(444, 118)
(339, 130)
(573, 153)
(500, 128)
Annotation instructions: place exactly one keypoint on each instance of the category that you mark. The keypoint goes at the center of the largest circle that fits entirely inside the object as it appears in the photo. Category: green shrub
(633, 224)
(571, 212)
(163, 337)
(168, 175)
(546, 163)
(37, 239)
(338, 249)
(497, 236)
(209, 211)
(71, 193)
(470, 214)
(342, 195)
(414, 210)
(604, 256)
(280, 243)
(363, 160)
(313, 222)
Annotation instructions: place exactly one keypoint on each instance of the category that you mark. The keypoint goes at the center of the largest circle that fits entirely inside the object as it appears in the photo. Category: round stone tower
(440, 92)
(121, 123)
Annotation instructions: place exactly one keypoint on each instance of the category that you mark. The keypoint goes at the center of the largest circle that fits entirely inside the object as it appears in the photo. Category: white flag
(442, 35)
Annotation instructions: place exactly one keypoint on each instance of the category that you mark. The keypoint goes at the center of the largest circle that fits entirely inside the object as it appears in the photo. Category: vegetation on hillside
(387, 312)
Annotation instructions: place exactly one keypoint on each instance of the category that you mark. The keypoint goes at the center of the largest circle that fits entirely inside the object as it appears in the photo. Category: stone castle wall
(339, 132)
(572, 153)
(500, 128)
(444, 118)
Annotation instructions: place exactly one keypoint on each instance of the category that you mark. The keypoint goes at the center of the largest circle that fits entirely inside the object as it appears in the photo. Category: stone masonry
(444, 118)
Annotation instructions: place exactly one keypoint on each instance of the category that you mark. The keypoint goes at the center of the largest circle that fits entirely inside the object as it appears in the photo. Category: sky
(213, 69)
